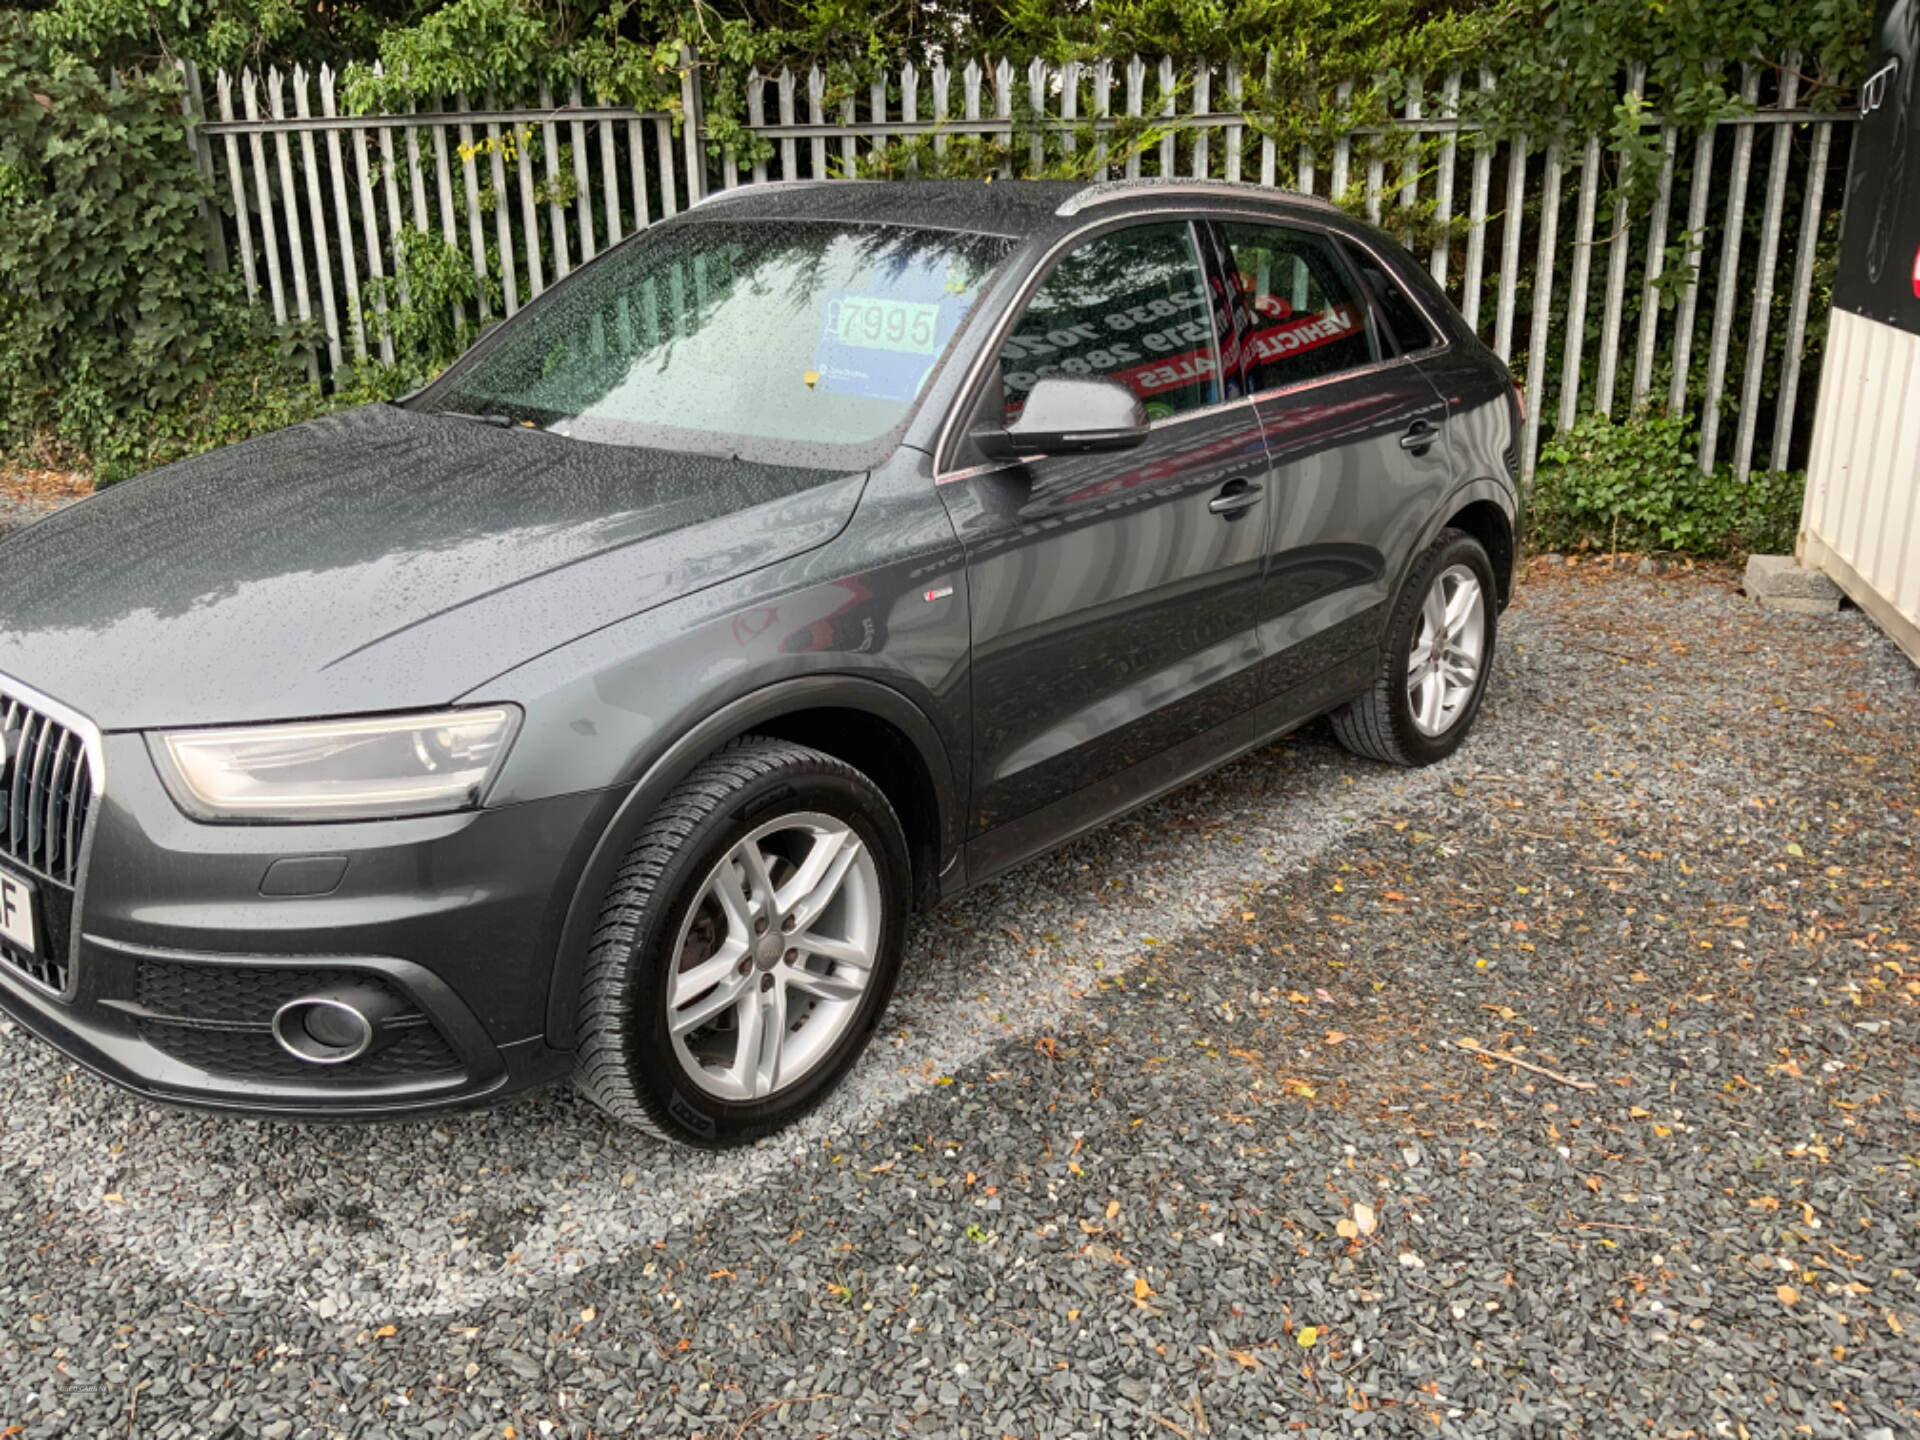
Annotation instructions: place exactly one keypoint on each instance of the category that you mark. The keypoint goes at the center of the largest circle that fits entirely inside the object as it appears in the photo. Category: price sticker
(875, 322)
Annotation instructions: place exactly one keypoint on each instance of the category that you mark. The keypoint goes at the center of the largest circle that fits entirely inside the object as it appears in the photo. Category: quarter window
(1308, 320)
(1130, 306)
(1403, 318)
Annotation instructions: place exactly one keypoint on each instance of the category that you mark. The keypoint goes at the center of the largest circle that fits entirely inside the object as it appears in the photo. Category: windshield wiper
(499, 422)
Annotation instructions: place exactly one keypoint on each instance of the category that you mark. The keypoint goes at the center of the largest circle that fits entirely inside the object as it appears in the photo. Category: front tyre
(747, 947)
(1438, 654)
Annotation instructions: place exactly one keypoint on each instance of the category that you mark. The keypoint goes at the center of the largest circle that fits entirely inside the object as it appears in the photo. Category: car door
(1111, 595)
(1356, 457)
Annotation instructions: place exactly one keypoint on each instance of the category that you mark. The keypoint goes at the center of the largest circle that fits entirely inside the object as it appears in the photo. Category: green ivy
(98, 182)
(120, 349)
(106, 301)
(1635, 485)
(264, 387)
(425, 307)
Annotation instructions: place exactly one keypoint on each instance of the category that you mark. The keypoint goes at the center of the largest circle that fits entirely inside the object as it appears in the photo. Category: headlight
(337, 769)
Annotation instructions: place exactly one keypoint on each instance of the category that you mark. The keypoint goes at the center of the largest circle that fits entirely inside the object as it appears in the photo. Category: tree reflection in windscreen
(709, 334)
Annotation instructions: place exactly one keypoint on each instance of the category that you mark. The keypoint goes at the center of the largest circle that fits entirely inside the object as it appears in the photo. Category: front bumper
(179, 961)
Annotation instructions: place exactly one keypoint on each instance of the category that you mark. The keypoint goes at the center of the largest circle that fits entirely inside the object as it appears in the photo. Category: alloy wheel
(1449, 647)
(774, 956)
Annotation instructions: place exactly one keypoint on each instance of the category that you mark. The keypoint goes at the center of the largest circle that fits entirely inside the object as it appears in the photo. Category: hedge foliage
(120, 347)
(1635, 485)
(117, 342)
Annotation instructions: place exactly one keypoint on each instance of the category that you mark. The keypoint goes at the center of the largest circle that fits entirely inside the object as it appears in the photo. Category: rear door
(1111, 595)
(1356, 456)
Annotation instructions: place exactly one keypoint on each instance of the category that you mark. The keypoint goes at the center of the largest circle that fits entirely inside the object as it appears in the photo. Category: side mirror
(1068, 415)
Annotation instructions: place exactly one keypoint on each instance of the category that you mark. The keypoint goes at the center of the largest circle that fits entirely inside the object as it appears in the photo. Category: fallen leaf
(881, 1169)
(589, 1313)
(1245, 1358)
(1795, 850)
(1346, 1229)
(1113, 1208)
(1308, 1334)
(1788, 1295)
(1140, 1287)
(1334, 1037)
(1364, 1217)
(384, 1332)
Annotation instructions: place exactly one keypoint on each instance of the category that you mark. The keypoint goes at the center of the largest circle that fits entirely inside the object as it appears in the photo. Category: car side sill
(1008, 845)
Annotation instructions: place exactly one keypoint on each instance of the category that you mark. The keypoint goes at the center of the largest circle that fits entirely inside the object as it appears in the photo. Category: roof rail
(1105, 192)
(727, 192)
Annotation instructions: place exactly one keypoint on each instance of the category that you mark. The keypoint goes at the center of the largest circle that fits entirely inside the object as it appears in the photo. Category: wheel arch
(870, 725)
(1485, 510)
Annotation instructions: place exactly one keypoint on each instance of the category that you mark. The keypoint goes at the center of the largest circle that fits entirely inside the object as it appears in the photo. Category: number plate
(16, 912)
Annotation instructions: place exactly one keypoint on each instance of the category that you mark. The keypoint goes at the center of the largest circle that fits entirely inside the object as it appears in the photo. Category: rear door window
(1309, 320)
(1131, 306)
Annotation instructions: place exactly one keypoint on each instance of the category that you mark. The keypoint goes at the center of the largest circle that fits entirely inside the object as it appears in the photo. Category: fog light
(334, 1027)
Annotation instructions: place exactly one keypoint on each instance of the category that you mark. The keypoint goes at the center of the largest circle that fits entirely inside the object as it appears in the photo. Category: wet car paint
(1049, 644)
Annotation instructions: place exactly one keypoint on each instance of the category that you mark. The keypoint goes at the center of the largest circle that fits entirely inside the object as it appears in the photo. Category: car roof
(1018, 209)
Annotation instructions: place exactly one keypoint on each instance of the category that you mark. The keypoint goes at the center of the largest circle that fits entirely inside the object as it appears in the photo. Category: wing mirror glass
(1068, 415)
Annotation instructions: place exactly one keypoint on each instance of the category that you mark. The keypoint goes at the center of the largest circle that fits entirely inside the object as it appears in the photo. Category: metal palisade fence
(1700, 300)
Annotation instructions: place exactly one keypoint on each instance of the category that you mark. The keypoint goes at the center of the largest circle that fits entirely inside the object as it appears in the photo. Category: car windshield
(787, 340)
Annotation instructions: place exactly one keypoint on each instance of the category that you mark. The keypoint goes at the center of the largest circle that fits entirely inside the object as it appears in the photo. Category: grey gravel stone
(1675, 861)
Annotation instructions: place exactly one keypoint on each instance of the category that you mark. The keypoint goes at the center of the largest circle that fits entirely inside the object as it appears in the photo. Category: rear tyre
(747, 947)
(1439, 652)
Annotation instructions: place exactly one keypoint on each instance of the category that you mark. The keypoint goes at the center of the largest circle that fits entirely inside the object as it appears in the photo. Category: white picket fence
(318, 206)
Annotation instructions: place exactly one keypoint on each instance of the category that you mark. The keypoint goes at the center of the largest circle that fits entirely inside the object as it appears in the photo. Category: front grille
(219, 1018)
(47, 786)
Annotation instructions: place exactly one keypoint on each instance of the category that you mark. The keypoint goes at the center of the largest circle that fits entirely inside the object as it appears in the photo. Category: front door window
(1130, 306)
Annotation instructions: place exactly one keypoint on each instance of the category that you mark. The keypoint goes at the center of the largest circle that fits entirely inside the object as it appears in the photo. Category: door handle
(1236, 497)
(1420, 436)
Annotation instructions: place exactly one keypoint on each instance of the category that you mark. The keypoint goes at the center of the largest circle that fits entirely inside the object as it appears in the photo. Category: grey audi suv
(607, 707)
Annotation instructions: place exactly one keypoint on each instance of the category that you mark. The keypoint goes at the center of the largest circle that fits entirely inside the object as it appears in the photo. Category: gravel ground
(1178, 1131)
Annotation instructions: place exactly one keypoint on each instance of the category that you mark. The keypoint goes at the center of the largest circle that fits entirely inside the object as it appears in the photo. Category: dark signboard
(1879, 274)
